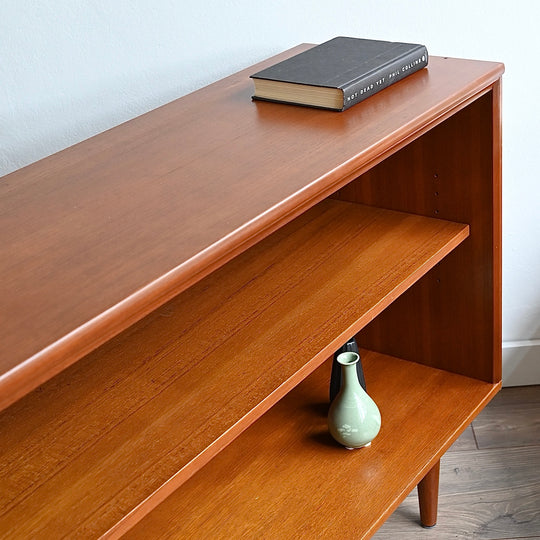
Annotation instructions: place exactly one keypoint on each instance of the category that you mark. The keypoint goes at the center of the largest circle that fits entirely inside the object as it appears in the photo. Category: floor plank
(467, 441)
(511, 419)
(483, 494)
(490, 479)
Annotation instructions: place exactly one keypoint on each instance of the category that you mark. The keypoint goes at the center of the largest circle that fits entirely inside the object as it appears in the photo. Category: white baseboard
(521, 362)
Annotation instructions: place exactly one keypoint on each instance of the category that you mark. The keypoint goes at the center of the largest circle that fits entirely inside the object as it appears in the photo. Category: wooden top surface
(98, 235)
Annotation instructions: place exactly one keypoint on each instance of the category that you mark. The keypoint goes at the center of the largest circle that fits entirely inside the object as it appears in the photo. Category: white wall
(72, 68)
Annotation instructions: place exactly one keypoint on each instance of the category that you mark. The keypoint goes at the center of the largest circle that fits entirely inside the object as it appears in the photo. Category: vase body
(354, 419)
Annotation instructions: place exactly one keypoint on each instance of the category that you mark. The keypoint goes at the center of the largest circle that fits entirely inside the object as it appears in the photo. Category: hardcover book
(339, 73)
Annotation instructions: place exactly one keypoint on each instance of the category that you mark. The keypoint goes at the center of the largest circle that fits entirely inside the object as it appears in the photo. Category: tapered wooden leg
(428, 497)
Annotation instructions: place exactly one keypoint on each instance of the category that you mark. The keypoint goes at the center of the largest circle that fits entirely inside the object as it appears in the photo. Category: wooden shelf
(168, 282)
(168, 394)
(100, 234)
(287, 460)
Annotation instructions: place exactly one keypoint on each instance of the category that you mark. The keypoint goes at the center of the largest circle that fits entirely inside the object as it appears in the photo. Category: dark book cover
(357, 67)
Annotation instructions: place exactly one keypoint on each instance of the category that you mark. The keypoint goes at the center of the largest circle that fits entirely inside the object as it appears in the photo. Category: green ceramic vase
(354, 419)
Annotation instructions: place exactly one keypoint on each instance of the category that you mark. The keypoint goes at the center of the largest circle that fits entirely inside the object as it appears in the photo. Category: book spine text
(386, 76)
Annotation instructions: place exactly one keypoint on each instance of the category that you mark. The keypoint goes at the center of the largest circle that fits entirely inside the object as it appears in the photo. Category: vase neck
(350, 376)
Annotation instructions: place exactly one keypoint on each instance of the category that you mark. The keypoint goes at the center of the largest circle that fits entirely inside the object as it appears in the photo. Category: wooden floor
(490, 478)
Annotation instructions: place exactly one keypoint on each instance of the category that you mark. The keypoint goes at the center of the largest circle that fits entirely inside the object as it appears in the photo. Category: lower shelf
(286, 478)
(102, 443)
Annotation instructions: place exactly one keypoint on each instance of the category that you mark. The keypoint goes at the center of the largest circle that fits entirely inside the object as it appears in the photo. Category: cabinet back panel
(451, 319)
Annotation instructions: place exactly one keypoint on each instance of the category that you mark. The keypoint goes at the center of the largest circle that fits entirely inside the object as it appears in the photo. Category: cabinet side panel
(451, 319)
(497, 230)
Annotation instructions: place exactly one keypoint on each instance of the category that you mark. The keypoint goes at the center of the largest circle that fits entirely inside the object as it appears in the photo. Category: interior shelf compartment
(96, 447)
(288, 461)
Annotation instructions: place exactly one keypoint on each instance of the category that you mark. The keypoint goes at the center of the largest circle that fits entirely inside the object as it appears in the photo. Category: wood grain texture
(286, 478)
(453, 172)
(484, 494)
(183, 217)
(491, 493)
(513, 419)
(141, 414)
(466, 440)
(95, 237)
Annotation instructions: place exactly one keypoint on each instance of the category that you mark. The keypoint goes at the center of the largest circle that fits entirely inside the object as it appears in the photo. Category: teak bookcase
(173, 288)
